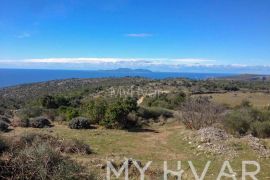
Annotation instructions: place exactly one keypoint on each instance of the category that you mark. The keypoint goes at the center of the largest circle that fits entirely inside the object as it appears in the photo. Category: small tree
(96, 110)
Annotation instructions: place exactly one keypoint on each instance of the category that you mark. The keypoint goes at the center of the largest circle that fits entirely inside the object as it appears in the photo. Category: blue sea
(11, 77)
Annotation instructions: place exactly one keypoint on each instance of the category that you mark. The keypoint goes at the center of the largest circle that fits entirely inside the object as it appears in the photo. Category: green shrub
(51, 102)
(69, 112)
(79, 123)
(27, 113)
(39, 122)
(170, 101)
(239, 122)
(96, 110)
(261, 129)
(231, 87)
(117, 112)
(115, 116)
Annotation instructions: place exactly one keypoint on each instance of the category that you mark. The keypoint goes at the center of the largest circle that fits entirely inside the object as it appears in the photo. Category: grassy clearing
(157, 144)
(259, 100)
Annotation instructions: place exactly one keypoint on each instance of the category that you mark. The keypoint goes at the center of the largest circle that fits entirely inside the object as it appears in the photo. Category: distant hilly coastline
(11, 77)
(247, 77)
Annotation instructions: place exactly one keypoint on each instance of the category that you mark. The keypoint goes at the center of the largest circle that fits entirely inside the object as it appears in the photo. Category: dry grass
(156, 144)
(259, 100)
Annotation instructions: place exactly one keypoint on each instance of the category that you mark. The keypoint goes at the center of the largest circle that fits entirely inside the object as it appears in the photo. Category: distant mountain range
(248, 77)
(127, 70)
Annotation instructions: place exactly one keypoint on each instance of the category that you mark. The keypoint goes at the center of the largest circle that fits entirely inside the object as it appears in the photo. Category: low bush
(248, 120)
(38, 156)
(65, 146)
(69, 112)
(3, 126)
(75, 146)
(261, 129)
(154, 113)
(246, 104)
(50, 114)
(3, 145)
(169, 101)
(4, 118)
(40, 161)
(39, 122)
(238, 122)
(27, 113)
(20, 122)
(51, 102)
(79, 123)
(60, 118)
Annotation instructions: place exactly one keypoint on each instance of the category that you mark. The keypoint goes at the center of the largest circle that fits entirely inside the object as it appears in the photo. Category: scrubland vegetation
(68, 129)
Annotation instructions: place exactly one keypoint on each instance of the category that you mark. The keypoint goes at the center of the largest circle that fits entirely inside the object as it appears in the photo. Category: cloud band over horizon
(154, 64)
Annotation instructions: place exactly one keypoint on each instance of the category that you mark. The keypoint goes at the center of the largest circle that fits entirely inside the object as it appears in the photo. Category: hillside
(80, 124)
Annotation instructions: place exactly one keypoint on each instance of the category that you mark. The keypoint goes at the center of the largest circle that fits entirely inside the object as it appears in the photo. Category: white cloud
(140, 35)
(24, 35)
(154, 64)
(138, 61)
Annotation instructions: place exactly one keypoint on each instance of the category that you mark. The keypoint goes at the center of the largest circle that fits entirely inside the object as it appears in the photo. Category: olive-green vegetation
(247, 119)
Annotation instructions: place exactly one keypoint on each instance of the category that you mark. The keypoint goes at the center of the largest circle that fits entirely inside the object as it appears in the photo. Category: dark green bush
(231, 87)
(154, 112)
(4, 118)
(51, 102)
(3, 126)
(39, 122)
(3, 145)
(79, 123)
(96, 110)
(117, 112)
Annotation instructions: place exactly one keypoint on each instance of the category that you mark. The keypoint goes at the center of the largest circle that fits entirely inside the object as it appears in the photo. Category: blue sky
(153, 34)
